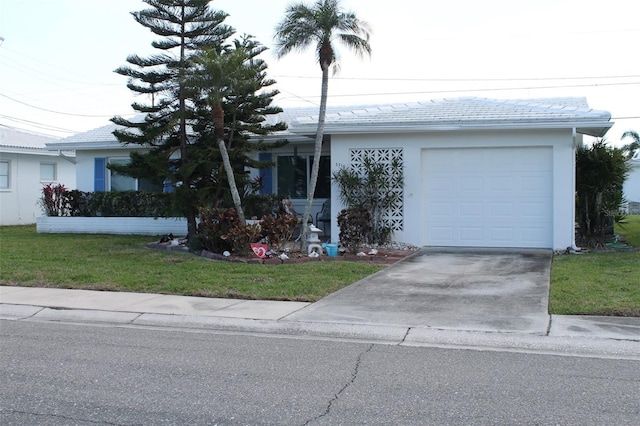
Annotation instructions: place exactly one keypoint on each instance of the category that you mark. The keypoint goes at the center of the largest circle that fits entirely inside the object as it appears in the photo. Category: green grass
(599, 283)
(124, 263)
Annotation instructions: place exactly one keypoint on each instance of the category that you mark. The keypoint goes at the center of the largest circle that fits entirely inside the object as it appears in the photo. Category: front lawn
(124, 263)
(599, 283)
(587, 284)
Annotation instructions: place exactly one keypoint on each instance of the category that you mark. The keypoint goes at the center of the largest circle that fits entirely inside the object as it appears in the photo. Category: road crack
(335, 398)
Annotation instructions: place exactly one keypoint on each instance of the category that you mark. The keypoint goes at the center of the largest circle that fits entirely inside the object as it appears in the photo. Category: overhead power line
(57, 112)
(607, 77)
(28, 130)
(39, 125)
(492, 89)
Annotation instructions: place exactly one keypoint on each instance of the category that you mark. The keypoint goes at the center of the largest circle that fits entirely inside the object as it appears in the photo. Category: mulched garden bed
(383, 256)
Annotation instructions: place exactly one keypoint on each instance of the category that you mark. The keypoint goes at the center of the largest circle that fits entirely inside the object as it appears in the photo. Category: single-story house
(631, 187)
(477, 172)
(25, 166)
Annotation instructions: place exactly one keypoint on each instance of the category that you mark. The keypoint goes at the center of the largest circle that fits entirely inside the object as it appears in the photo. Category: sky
(58, 57)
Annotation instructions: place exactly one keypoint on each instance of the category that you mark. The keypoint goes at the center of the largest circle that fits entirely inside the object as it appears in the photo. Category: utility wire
(41, 125)
(495, 89)
(465, 79)
(58, 112)
(28, 131)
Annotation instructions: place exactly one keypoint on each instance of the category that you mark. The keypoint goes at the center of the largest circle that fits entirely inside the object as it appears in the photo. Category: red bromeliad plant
(55, 200)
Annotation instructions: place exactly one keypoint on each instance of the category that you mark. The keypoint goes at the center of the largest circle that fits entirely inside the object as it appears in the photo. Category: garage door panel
(500, 199)
(504, 210)
(471, 210)
(442, 233)
(471, 235)
(532, 210)
(469, 184)
(532, 234)
(501, 184)
(501, 234)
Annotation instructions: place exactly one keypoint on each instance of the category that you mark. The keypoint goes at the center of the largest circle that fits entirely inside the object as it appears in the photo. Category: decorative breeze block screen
(394, 216)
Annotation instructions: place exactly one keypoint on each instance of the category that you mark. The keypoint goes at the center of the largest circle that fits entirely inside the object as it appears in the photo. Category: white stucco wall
(19, 203)
(85, 161)
(632, 184)
(561, 142)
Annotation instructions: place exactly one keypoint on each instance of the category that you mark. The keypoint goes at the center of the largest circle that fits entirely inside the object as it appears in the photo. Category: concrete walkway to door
(495, 290)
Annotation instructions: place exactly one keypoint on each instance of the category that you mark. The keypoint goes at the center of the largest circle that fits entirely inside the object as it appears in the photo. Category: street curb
(534, 343)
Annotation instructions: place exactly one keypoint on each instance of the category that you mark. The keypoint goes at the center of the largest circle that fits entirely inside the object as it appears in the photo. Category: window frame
(308, 159)
(8, 175)
(136, 181)
(55, 171)
(110, 174)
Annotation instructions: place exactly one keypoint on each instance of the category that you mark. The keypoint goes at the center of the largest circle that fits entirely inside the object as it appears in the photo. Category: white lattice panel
(394, 216)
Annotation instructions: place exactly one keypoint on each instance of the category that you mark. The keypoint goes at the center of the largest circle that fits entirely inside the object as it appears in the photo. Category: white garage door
(488, 197)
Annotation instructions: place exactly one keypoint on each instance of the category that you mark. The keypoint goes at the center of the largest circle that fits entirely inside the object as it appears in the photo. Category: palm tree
(229, 79)
(321, 25)
(630, 149)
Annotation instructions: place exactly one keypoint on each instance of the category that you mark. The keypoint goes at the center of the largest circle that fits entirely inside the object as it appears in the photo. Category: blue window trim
(100, 174)
(266, 174)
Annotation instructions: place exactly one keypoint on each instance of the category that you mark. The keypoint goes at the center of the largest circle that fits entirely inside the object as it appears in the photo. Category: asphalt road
(58, 374)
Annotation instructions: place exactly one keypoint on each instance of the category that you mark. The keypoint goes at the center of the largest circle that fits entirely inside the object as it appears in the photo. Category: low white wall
(112, 225)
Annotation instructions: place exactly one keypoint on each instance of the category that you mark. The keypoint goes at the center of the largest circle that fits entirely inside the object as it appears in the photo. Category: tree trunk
(218, 120)
(191, 210)
(315, 168)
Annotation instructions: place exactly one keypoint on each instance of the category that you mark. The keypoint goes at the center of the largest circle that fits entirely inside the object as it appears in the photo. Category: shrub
(376, 187)
(219, 230)
(56, 200)
(78, 203)
(130, 204)
(260, 205)
(600, 174)
(355, 225)
(278, 229)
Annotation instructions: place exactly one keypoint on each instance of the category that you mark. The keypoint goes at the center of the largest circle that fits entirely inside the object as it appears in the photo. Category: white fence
(112, 225)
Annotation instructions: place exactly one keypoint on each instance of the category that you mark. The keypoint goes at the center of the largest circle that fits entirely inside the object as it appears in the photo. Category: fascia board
(84, 146)
(600, 127)
(27, 151)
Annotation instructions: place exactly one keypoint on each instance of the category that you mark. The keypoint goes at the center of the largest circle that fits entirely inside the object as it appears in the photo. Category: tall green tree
(322, 25)
(600, 174)
(234, 102)
(185, 27)
(631, 148)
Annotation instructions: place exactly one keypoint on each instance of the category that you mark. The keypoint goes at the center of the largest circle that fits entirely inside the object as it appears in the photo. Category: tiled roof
(12, 138)
(444, 114)
(99, 137)
(459, 113)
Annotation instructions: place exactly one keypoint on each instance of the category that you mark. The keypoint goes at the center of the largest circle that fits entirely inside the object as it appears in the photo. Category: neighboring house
(25, 166)
(477, 172)
(632, 185)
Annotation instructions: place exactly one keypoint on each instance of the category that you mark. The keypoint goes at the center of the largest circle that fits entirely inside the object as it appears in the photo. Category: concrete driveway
(463, 289)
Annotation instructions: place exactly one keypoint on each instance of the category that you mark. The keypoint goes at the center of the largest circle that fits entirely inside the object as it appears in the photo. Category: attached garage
(488, 197)
(477, 172)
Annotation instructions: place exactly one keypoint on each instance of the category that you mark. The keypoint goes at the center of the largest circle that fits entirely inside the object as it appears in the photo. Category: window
(4, 174)
(294, 173)
(120, 182)
(47, 172)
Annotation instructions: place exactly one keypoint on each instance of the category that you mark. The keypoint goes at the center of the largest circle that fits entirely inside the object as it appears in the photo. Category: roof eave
(85, 146)
(592, 128)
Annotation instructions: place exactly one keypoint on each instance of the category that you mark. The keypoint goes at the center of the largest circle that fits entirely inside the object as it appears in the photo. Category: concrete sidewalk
(49, 304)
